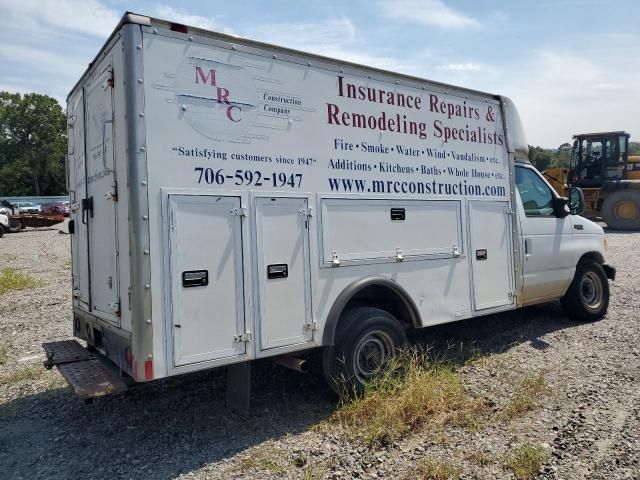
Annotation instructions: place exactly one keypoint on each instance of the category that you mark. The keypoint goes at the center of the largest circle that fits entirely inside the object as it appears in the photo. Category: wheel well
(385, 299)
(379, 292)
(595, 256)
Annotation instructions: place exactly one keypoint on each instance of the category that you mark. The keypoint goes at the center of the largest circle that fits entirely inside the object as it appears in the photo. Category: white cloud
(561, 93)
(334, 38)
(608, 86)
(434, 13)
(40, 60)
(167, 12)
(85, 16)
(461, 67)
(307, 35)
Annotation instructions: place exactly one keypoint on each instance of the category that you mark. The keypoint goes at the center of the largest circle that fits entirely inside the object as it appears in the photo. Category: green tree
(32, 145)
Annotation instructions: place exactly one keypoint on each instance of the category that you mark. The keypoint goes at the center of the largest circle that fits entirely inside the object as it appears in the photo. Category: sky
(570, 66)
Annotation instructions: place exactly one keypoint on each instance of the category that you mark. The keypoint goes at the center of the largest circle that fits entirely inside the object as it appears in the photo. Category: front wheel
(621, 210)
(588, 296)
(366, 339)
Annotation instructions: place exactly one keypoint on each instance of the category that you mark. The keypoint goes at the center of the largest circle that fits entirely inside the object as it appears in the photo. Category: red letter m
(201, 76)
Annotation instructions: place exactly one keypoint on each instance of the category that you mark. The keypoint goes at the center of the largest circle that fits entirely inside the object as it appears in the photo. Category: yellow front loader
(607, 175)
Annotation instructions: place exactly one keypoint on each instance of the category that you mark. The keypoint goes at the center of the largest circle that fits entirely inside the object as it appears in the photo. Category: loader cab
(598, 158)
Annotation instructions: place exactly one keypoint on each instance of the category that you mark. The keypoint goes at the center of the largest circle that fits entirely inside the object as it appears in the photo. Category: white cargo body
(233, 200)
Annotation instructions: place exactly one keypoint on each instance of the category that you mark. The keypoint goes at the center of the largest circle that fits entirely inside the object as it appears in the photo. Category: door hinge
(508, 211)
(113, 193)
(240, 212)
(335, 261)
(311, 326)
(455, 251)
(114, 308)
(399, 256)
(512, 294)
(245, 337)
(306, 212)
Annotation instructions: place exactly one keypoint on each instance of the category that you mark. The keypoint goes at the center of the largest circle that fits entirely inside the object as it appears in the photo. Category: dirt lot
(585, 419)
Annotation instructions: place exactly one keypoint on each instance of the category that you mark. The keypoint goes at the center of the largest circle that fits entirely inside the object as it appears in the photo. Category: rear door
(78, 191)
(207, 290)
(98, 212)
(491, 254)
(284, 299)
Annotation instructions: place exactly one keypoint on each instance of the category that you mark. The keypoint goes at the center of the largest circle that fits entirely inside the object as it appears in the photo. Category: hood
(588, 227)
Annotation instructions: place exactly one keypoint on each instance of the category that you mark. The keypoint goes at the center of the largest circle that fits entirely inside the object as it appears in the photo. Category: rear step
(88, 377)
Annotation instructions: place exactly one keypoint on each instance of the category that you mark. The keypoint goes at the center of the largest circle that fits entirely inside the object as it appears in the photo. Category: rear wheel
(588, 296)
(366, 339)
(621, 210)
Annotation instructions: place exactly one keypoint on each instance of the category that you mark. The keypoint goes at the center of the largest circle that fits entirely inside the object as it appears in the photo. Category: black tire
(366, 338)
(15, 225)
(621, 210)
(587, 299)
(1, 231)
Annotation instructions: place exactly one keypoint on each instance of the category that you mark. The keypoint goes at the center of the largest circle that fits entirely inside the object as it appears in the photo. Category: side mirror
(576, 201)
(561, 207)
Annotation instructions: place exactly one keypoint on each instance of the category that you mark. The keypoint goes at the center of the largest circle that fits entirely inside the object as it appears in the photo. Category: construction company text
(402, 123)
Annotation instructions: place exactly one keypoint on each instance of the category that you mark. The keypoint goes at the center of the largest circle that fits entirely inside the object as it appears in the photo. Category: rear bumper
(609, 271)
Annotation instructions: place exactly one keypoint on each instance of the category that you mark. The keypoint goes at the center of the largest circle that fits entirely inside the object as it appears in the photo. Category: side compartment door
(99, 210)
(78, 191)
(491, 254)
(283, 272)
(207, 290)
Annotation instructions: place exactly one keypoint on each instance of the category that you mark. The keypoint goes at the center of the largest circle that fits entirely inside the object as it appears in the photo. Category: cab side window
(536, 195)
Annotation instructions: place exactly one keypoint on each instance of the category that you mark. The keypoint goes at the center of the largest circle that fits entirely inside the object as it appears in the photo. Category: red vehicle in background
(53, 208)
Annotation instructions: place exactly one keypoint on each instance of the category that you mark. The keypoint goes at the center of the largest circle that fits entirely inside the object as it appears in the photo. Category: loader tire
(587, 298)
(366, 339)
(621, 210)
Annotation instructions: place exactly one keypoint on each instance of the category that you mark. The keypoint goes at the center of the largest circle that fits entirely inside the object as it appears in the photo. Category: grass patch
(4, 353)
(431, 469)
(11, 279)
(28, 373)
(480, 458)
(529, 394)
(264, 458)
(411, 394)
(525, 461)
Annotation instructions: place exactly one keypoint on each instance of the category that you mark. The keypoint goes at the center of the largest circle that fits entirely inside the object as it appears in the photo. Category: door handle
(86, 206)
(527, 247)
(277, 270)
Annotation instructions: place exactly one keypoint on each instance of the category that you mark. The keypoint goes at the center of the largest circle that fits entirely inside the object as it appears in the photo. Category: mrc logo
(218, 99)
(222, 93)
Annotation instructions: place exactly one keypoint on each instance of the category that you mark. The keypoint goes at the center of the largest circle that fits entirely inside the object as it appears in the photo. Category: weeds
(28, 373)
(410, 394)
(480, 458)
(431, 469)
(525, 461)
(11, 279)
(264, 458)
(528, 396)
(4, 354)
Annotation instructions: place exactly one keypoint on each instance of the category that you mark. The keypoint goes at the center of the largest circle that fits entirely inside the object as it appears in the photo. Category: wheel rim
(626, 210)
(591, 290)
(371, 353)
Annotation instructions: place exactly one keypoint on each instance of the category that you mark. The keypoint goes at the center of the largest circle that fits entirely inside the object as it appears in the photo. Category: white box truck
(234, 200)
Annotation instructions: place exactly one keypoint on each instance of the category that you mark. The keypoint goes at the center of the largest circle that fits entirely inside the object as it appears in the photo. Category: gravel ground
(588, 424)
